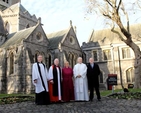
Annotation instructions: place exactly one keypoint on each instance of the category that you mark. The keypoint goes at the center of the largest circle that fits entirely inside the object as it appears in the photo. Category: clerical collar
(56, 66)
(39, 62)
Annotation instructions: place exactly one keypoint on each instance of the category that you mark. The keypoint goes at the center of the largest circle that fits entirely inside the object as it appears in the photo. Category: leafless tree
(115, 12)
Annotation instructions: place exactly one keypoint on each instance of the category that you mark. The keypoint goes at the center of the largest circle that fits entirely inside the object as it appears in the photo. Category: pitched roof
(56, 37)
(16, 38)
(107, 33)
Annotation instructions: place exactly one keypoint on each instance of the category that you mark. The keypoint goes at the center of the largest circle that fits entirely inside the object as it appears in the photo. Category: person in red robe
(67, 85)
(55, 83)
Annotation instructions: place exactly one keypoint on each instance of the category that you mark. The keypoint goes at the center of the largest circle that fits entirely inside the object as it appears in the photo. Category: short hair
(56, 59)
(91, 58)
(66, 62)
(79, 58)
(39, 55)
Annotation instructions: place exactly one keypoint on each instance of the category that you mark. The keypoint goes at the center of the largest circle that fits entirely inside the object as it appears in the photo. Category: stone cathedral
(22, 38)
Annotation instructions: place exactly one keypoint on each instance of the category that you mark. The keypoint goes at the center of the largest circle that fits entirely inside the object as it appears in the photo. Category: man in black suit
(93, 72)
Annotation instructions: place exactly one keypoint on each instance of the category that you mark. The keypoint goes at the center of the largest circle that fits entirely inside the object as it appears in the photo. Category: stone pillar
(3, 74)
(29, 88)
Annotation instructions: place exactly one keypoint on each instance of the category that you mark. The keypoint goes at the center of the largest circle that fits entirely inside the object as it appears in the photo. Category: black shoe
(91, 100)
(99, 99)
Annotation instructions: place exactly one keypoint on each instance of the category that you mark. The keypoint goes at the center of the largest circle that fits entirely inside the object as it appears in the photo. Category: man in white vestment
(39, 79)
(80, 81)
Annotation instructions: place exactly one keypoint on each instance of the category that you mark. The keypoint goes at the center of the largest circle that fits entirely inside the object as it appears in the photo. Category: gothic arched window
(126, 53)
(11, 63)
(101, 77)
(107, 54)
(95, 55)
(7, 27)
(49, 60)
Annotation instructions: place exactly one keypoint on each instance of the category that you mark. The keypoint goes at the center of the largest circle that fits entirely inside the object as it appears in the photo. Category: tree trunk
(137, 52)
(137, 64)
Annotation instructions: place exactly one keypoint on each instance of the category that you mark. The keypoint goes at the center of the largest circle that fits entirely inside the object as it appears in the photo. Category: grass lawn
(103, 93)
(108, 92)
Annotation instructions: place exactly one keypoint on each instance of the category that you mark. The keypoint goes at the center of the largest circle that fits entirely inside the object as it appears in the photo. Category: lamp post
(113, 64)
(113, 60)
(120, 69)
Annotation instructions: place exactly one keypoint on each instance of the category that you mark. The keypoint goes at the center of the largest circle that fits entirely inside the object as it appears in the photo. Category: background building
(112, 55)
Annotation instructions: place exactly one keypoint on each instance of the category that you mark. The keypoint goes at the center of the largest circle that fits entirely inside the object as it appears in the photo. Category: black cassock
(93, 79)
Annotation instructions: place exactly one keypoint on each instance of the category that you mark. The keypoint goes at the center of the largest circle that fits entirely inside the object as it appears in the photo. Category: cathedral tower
(7, 3)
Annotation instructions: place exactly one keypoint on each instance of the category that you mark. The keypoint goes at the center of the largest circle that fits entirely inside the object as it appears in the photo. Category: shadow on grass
(109, 92)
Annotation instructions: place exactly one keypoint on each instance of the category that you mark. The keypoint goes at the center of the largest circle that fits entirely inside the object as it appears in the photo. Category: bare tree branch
(106, 15)
(120, 36)
(119, 5)
(115, 3)
(127, 18)
(109, 3)
(138, 4)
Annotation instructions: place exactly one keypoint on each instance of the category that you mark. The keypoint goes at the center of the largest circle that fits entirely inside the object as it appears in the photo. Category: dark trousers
(92, 92)
(42, 98)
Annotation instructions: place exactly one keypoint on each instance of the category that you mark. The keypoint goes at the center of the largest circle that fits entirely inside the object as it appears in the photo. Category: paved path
(105, 106)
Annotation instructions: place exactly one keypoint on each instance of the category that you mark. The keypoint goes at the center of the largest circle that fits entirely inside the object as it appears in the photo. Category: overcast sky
(56, 15)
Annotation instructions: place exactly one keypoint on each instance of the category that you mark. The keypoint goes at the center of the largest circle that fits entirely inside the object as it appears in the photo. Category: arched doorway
(36, 54)
(130, 75)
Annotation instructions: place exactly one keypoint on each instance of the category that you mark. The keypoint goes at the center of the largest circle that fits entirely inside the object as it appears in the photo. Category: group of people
(65, 84)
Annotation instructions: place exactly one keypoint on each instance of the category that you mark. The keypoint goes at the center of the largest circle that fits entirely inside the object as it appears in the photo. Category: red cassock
(54, 90)
(68, 88)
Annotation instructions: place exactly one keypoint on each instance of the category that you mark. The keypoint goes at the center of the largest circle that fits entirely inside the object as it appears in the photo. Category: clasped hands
(78, 76)
(35, 81)
(51, 81)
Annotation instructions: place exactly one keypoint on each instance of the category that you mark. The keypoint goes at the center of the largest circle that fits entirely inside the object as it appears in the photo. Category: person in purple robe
(68, 88)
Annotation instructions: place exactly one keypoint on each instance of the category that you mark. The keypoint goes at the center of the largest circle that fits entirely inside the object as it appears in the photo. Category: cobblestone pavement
(106, 105)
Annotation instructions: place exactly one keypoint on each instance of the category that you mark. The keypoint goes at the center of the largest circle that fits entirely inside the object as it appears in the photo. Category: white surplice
(35, 75)
(80, 84)
(51, 77)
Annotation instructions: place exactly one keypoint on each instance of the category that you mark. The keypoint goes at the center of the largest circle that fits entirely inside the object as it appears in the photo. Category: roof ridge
(27, 29)
(17, 37)
(57, 33)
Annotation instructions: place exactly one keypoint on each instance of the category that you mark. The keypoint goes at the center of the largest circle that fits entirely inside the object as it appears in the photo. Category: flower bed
(15, 99)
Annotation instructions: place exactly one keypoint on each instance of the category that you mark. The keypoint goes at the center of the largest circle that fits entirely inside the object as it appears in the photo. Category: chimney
(70, 22)
(39, 20)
